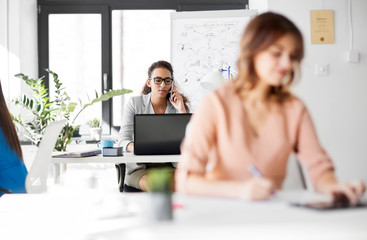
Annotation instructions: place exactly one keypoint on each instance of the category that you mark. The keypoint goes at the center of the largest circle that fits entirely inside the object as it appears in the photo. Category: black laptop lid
(156, 134)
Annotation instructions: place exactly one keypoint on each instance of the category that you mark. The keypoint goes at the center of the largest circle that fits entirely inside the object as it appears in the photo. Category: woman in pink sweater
(255, 121)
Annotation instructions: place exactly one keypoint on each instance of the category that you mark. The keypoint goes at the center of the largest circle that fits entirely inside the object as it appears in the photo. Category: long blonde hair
(260, 33)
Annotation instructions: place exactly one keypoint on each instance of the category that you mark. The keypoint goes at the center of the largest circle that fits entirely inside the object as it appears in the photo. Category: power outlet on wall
(321, 69)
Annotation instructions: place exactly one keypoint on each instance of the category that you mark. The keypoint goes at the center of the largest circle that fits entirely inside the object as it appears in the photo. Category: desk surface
(127, 158)
(124, 216)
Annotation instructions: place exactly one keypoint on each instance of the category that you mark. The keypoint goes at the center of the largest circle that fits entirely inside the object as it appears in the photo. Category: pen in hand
(254, 171)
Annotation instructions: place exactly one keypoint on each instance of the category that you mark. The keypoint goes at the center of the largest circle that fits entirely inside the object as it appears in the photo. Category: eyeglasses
(158, 80)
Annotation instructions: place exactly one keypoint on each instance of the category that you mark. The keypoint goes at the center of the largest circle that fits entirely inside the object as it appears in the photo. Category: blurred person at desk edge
(158, 97)
(255, 121)
(12, 169)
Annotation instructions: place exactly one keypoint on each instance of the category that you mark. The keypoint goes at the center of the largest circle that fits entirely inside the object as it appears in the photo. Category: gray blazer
(136, 105)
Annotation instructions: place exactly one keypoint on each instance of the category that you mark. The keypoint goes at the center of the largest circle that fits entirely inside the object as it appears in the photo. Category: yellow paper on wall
(322, 26)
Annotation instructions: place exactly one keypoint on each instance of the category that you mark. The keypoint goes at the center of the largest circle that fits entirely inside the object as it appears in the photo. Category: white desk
(78, 216)
(61, 163)
(127, 158)
(222, 219)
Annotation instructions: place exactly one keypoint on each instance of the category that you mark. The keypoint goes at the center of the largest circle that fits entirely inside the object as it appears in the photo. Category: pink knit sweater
(221, 144)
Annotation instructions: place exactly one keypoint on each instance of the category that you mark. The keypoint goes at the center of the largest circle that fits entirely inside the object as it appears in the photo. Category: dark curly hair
(168, 66)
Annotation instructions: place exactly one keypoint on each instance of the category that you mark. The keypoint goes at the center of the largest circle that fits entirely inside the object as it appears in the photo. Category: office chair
(295, 179)
(121, 168)
(36, 180)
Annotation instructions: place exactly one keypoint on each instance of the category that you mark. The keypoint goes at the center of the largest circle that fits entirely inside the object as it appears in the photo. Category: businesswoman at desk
(158, 97)
(243, 133)
(12, 169)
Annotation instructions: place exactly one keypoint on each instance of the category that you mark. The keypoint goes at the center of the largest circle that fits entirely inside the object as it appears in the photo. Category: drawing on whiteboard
(202, 45)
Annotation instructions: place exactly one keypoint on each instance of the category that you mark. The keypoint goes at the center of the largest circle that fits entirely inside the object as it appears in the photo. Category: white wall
(18, 43)
(337, 102)
(4, 45)
(28, 47)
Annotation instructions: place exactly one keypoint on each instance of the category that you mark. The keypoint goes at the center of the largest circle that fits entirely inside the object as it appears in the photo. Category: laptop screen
(156, 134)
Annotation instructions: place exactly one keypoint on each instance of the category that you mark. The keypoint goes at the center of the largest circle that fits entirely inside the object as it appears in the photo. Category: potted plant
(95, 129)
(160, 185)
(44, 110)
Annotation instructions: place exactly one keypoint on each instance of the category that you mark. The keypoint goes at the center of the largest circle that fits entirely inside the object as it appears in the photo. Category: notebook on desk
(78, 154)
(159, 134)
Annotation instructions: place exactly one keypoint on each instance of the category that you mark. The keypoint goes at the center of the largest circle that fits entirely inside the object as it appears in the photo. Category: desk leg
(60, 168)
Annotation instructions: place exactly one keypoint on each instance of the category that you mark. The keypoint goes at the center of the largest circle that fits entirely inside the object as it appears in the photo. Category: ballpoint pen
(254, 171)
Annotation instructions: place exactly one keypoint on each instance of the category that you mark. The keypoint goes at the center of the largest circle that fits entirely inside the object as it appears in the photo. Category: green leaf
(104, 97)
(43, 110)
(71, 107)
(108, 95)
(47, 105)
(38, 107)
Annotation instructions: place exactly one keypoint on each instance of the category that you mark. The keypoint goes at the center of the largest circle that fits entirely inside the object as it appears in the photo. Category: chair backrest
(296, 178)
(36, 181)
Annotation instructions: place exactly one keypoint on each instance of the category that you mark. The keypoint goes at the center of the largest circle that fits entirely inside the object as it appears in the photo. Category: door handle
(105, 78)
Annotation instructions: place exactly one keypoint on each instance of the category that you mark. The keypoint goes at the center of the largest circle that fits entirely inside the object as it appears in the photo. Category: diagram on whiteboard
(202, 45)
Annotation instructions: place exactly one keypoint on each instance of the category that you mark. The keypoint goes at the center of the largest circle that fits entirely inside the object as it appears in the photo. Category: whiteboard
(202, 42)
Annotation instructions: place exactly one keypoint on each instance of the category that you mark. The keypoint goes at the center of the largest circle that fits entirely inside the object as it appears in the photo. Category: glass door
(79, 52)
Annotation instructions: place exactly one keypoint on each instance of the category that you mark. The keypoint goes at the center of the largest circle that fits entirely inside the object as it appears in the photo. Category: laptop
(36, 180)
(159, 134)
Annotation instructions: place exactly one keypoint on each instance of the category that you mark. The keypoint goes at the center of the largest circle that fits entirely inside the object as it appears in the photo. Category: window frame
(105, 7)
(43, 45)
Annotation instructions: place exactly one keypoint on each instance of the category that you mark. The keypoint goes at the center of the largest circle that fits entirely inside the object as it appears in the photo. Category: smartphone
(171, 93)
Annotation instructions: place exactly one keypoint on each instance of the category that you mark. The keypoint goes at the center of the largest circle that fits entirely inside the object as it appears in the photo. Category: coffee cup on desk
(105, 144)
